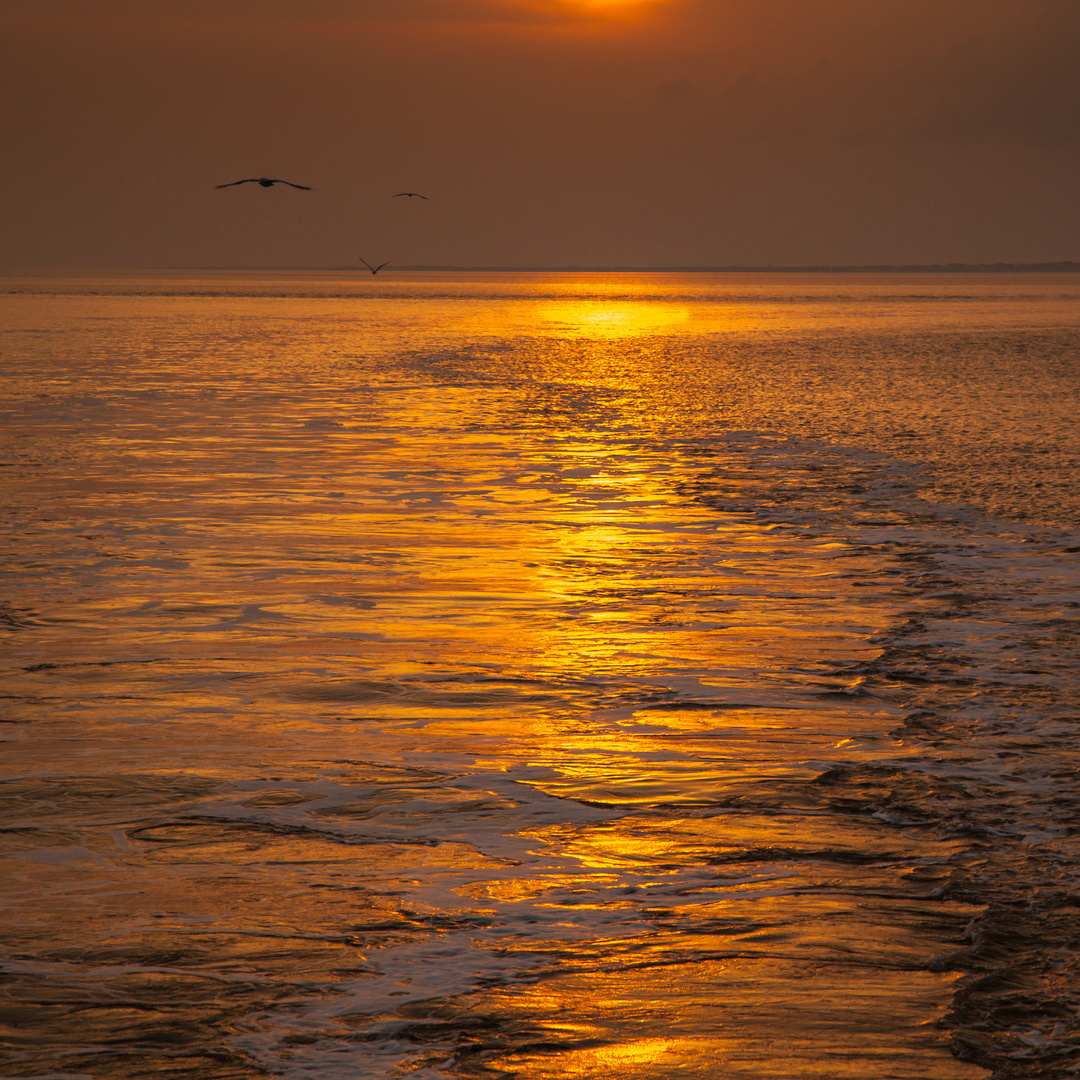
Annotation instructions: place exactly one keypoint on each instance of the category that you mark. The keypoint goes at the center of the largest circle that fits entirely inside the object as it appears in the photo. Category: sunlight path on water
(371, 720)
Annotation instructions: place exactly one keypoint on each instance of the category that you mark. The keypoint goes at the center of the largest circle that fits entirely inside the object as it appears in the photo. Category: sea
(564, 676)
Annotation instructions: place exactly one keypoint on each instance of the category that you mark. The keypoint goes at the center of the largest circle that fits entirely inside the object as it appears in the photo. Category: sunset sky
(545, 132)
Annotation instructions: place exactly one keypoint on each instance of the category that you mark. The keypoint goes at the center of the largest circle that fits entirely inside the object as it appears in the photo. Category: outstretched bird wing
(250, 180)
(302, 187)
(373, 269)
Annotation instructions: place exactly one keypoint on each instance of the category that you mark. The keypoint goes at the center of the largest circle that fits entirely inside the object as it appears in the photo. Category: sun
(588, 16)
(612, 6)
(591, 10)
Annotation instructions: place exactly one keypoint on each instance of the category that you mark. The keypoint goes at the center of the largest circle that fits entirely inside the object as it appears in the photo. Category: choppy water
(541, 676)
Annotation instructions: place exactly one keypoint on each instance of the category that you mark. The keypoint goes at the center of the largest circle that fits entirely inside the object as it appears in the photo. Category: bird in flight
(373, 269)
(263, 181)
(409, 195)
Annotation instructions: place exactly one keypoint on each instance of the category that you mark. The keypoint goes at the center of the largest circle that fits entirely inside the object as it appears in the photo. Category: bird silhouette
(262, 181)
(373, 269)
(409, 195)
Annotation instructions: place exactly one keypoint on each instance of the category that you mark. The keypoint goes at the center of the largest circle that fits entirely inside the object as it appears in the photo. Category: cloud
(690, 130)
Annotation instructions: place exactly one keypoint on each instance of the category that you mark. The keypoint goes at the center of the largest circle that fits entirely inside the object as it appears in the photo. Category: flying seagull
(408, 195)
(262, 181)
(373, 269)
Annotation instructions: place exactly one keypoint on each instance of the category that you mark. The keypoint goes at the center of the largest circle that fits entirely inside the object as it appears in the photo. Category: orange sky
(546, 132)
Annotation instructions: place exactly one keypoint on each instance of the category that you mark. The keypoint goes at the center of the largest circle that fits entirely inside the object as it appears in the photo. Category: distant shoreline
(1065, 267)
(933, 268)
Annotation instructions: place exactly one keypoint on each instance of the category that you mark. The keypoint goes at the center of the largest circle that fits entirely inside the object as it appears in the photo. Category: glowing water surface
(456, 674)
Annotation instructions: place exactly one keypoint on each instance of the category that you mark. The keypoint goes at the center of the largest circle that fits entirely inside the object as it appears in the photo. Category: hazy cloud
(688, 131)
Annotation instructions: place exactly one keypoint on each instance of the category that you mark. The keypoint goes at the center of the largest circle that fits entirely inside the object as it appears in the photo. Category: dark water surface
(542, 675)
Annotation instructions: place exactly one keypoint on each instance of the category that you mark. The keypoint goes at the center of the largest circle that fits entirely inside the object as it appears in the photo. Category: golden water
(454, 675)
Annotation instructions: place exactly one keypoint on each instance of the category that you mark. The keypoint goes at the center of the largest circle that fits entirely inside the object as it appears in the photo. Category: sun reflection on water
(610, 319)
(438, 644)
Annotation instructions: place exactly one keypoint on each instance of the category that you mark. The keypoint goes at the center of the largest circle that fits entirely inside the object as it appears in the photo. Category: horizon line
(1058, 266)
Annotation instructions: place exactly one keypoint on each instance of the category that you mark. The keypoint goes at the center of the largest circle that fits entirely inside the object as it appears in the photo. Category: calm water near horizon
(540, 675)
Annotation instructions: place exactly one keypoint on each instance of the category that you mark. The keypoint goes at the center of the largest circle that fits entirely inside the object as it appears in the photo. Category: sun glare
(609, 6)
(604, 319)
(590, 13)
(616, 5)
